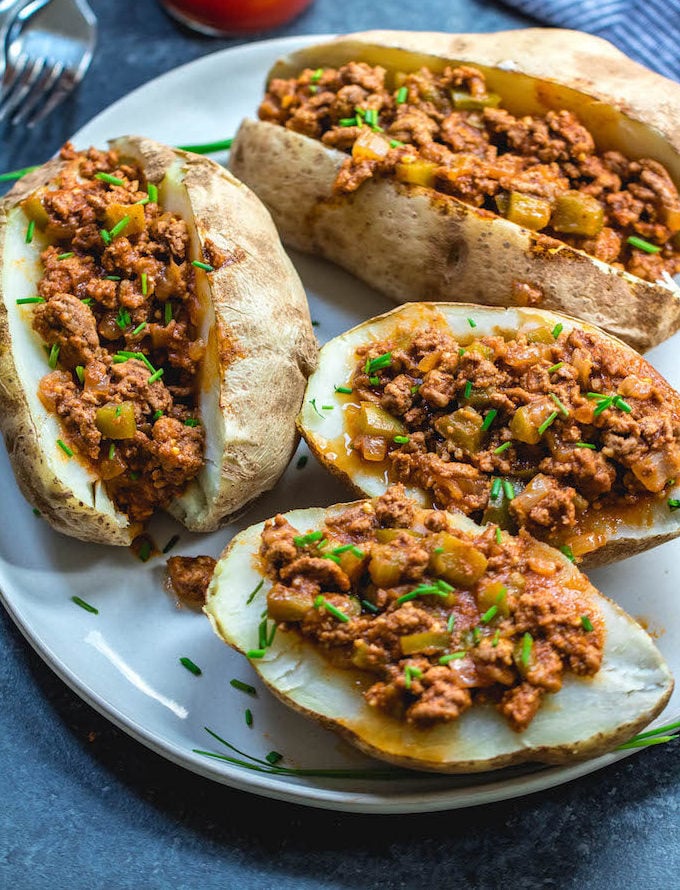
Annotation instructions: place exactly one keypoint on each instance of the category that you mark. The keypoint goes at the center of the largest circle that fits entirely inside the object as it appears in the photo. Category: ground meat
(381, 603)
(117, 308)
(190, 576)
(64, 321)
(479, 152)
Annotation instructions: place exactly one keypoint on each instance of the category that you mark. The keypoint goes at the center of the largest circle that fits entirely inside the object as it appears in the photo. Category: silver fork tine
(42, 89)
(62, 89)
(24, 86)
(13, 70)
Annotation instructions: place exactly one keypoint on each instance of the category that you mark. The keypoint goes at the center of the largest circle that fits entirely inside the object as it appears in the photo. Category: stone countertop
(83, 805)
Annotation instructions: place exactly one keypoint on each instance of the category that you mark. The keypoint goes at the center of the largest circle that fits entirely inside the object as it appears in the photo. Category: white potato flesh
(325, 432)
(586, 718)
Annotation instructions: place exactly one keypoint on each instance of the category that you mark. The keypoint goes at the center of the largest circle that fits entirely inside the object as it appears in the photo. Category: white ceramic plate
(125, 660)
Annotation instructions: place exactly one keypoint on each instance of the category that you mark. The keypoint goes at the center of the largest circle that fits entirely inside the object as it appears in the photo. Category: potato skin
(265, 349)
(632, 687)
(336, 362)
(414, 243)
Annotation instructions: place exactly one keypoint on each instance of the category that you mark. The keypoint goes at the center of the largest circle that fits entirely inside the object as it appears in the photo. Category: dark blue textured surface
(84, 806)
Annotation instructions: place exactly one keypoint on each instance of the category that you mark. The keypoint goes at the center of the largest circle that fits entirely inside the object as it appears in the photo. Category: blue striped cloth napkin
(646, 30)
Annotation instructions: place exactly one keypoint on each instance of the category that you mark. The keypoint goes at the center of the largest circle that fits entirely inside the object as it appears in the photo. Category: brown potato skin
(413, 243)
(261, 311)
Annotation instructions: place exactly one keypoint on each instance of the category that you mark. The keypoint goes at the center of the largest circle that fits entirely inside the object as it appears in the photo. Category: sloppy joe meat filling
(119, 320)
(529, 430)
(439, 618)
(448, 132)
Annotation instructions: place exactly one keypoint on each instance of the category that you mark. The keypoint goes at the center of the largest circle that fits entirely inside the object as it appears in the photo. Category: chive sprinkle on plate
(190, 666)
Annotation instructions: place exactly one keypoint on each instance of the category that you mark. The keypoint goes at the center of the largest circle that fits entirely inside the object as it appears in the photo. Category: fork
(50, 48)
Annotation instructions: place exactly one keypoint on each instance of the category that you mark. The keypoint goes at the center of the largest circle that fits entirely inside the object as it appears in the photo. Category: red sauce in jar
(234, 16)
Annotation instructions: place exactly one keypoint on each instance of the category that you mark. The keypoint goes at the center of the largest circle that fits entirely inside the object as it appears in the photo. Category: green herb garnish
(309, 538)
(375, 364)
(106, 177)
(321, 601)
(171, 543)
(190, 666)
(254, 593)
(402, 95)
(489, 419)
(546, 423)
(83, 605)
(557, 330)
(453, 656)
(119, 226)
(205, 266)
(30, 231)
(64, 447)
(502, 448)
(24, 300)
(641, 244)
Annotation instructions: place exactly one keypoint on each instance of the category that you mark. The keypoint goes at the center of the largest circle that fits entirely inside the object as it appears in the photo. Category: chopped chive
(106, 177)
(546, 423)
(439, 588)
(329, 607)
(499, 536)
(496, 485)
(586, 622)
(192, 421)
(204, 148)
(119, 226)
(30, 231)
(438, 550)
(143, 201)
(83, 605)
(502, 448)
(453, 656)
(87, 301)
(414, 389)
(316, 76)
(568, 552)
(171, 543)
(112, 278)
(273, 757)
(301, 462)
(312, 402)
(25, 300)
(496, 638)
(374, 381)
(205, 266)
(156, 415)
(144, 280)
(673, 504)
(54, 356)
(467, 392)
(309, 538)
(123, 318)
(489, 419)
(112, 450)
(344, 389)
(134, 476)
(369, 606)
(243, 687)
(401, 440)
(106, 238)
(332, 556)
(256, 653)
(461, 352)
(472, 322)
(327, 407)
(603, 404)
(248, 716)
(139, 329)
(451, 622)
(641, 244)
(66, 256)
(36, 512)
(402, 95)
(156, 376)
(409, 672)
(348, 122)
(586, 445)
(190, 666)
(380, 361)
(621, 405)
(64, 447)
(262, 633)
(152, 191)
(557, 330)
(559, 404)
(489, 615)
(527, 645)
(168, 313)
(395, 143)
(144, 551)
(556, 367)
(254, 593)
(660, 730)
(645, 743)
(16, 174)
(509, 489)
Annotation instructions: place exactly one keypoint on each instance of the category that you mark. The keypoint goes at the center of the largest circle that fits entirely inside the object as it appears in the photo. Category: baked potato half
(418, 637)
(522, 417)
(155, 341)
(512, 171)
